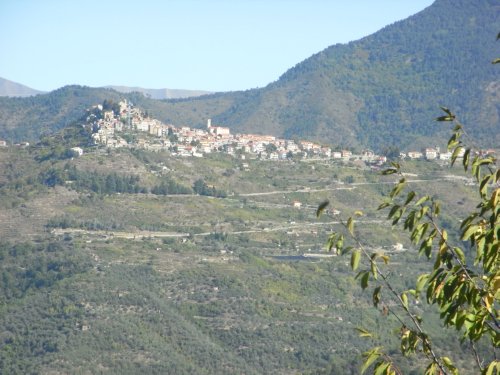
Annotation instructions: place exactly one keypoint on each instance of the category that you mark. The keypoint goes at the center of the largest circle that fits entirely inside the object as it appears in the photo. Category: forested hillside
(381, 90)
(125, 261)
(385, 88)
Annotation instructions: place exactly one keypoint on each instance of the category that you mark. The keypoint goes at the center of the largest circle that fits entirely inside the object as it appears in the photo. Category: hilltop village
(112, 124)
(110, 129)
(121, 124)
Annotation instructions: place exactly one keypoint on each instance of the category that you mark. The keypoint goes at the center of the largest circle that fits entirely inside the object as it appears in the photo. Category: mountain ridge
(382, 90)
(160, 93)
(14, 89)
(10, 88)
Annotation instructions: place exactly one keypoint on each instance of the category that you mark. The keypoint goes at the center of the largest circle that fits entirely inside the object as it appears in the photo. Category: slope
(9, 88)
(383, 89)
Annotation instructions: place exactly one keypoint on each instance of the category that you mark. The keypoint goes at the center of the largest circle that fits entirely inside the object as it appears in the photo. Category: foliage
(168, 186)
(200, 187)
(464, 282)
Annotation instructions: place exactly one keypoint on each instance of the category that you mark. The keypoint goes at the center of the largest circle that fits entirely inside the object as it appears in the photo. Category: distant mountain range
(14, 89)
(160, 93)
(383, 90)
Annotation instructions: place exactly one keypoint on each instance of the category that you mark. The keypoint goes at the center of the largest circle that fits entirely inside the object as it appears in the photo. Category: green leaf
(331, 241)
(393, 210)
(397, 216)
(381, 368)
(452, 143)
(364, 280)
(436, 208)
(455, 154)
(494, 365)
(376, 296)
(421, 282)
(397, 189)
(383, 205)
(468, 232)
(460, 254)
(404, 300)
(363, 332)
(410, 197)
(496, 61)
(355, 257)
(364, 277)
(466, 159)
(322, 207)
(422, 200)
(371, 357)
(445, 118)
(389, 171)
(373, 268)
(432, 369)
(350, 226)
(483, 186)
(340, 243)
(448, 112)
(449, 364)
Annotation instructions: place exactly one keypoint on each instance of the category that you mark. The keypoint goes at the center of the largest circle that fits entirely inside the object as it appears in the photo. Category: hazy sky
(216, 45)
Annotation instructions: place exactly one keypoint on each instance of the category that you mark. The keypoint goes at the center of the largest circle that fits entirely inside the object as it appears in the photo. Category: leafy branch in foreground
(465, 289)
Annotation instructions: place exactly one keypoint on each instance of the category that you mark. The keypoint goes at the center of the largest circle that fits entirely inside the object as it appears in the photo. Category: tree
(271, 147)
(200, 187)
(465, 289)
(464, 281)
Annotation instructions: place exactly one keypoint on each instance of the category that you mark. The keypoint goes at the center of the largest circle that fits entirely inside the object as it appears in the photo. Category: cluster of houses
(185, 141)
(429, 153)
(434, 153)
(111, 126)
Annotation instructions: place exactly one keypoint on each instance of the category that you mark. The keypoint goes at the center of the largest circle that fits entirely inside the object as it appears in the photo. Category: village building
(430, 153)
(415, 155)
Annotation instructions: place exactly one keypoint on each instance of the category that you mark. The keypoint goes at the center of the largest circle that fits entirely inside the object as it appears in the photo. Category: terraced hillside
(96, 279)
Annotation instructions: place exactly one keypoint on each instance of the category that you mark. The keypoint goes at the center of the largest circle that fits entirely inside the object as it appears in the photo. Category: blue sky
(215, 45)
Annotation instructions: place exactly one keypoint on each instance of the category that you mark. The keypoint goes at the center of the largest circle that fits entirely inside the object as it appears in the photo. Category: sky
(213, 45)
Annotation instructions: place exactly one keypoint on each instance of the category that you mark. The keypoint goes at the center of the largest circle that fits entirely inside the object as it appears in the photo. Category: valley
(196, 283)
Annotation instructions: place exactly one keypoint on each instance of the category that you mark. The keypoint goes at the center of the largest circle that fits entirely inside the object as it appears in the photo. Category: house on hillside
(430, 153)
(77, 150)
(346, 154)
(415, 155)
(367, 155)
(445, 156)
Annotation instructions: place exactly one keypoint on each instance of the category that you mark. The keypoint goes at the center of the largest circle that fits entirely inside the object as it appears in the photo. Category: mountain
(29, 118)
(13, 89)
(160, 93)
(383, 90)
